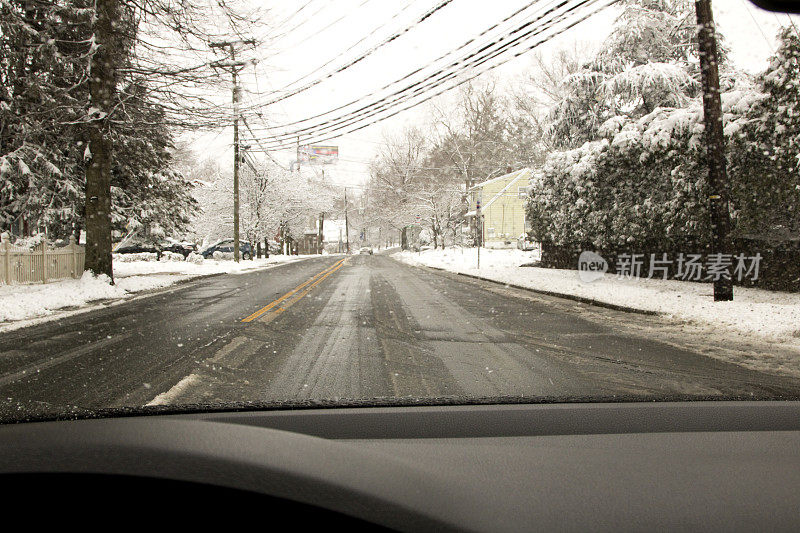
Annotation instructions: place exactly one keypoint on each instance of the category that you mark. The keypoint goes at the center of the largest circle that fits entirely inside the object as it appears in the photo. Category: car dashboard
(599, 467)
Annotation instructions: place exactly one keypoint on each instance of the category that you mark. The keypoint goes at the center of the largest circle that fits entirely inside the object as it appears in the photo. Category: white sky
(326, 34)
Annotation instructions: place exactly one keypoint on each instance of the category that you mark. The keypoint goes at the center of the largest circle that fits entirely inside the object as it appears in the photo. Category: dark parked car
(137, 248)
(226, 247)
(183, 248)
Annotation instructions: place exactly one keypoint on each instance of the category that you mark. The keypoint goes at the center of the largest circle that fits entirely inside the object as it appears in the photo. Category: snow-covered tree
(646, 62)
(641, 183)
(765, 152)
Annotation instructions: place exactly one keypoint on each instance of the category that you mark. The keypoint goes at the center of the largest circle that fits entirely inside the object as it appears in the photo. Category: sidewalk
(770, 315)
(20, 305)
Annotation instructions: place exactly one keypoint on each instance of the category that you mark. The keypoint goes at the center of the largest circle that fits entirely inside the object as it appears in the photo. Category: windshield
(211, 205)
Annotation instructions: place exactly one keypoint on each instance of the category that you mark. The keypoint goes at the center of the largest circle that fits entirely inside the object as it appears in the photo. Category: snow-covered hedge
(223, 256)
(195, 258)
(171, 256)
(130, 258)
(644, 181)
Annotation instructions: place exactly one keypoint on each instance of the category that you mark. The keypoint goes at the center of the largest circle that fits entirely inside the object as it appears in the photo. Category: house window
(490, 232)
(522, 192)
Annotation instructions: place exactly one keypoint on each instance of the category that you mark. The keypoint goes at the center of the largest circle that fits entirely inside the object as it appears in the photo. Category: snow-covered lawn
(20, 303)
(768, 314)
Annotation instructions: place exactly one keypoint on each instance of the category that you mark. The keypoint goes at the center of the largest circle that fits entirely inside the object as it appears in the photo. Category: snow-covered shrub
(171, 256)
(30, 242)
(645, 180)
(644, 183)
(765, 155)
(223, 256)
(141, 256)
(194, 258)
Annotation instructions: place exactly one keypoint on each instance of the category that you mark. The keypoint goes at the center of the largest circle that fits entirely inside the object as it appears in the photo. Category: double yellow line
(307, 285)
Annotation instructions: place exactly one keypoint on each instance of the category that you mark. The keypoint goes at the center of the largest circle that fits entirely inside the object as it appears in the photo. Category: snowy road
(365, 327)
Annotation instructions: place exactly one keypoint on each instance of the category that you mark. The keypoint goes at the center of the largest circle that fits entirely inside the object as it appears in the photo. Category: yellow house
(502, 208)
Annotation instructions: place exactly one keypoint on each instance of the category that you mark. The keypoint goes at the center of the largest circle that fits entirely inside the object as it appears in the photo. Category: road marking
(167, 398)
(228, 348)
(300, 287)
(271, 316)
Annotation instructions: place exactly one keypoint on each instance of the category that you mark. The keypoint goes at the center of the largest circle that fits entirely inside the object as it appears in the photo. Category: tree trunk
(102, 92)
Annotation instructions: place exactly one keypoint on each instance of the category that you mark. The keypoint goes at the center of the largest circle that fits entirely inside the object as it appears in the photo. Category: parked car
(365, 250)
(226, 247)
(527, 244)
(183, 248)
(138, 248)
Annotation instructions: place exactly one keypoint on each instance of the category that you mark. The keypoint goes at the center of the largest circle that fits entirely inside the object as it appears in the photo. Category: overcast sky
(309, 43)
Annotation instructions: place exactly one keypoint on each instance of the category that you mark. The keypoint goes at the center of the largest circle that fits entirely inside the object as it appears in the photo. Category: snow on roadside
(25, 302)
(772, 315)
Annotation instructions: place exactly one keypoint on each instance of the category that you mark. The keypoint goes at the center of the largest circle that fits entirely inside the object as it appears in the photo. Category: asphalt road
(364, 327)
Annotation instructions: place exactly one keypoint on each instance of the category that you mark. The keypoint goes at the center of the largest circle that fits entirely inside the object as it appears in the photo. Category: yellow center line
(275, 312)
(291, 292)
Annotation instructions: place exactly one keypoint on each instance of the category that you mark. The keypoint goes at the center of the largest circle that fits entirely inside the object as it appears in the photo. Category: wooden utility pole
(234, 66)
(718, 187)
(320, 234)
(102, 95)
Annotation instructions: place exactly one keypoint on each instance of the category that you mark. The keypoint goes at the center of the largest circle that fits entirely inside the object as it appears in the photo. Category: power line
(294, 14)
(331, 129)
(747, 8)
(442, 76)
(317, 32)
(357, 60)
(408, 93)
(285, 87)
(258, 142)
(412, 73)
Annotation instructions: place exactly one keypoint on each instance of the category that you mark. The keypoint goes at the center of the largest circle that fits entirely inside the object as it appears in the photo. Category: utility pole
(297, 155)
(478, 229)
(346, 223)
(718, 187)
(320, 233)
(234, 66)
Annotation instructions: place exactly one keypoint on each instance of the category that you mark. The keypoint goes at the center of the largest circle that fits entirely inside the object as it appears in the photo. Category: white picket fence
(43, 264)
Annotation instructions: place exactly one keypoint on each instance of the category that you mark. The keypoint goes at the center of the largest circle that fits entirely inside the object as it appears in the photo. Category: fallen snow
(768, 314)
(25, 302)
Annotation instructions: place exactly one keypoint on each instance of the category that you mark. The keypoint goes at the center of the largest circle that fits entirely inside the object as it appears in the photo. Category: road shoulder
(22, 306)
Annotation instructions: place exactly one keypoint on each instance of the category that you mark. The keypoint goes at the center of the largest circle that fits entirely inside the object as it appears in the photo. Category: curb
(581, 299)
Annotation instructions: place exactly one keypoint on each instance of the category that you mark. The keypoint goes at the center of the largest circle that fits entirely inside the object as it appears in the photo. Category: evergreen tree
(645, 63)
(765, 152)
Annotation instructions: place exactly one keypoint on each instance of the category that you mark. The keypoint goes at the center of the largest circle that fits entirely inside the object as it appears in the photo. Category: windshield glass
(208, 205)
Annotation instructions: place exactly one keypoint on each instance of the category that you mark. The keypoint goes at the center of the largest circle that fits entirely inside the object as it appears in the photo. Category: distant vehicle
(365, 250)
(226, 247)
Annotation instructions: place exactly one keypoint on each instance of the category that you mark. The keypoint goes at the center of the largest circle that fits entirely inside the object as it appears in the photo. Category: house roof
(519, 174)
